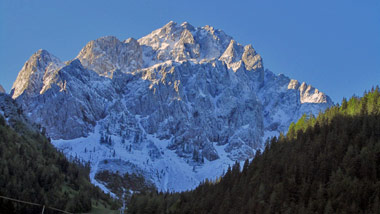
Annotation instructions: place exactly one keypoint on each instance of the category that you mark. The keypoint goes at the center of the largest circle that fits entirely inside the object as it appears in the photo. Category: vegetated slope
(172, 105)
(328, 164)
(33, 170)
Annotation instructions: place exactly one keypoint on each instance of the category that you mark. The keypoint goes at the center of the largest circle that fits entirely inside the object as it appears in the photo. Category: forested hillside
(327, 164)
(33, 170)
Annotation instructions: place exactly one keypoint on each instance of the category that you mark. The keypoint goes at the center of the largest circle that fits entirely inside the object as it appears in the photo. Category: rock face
(35, 73)
(173, 104)
(13, 114)
(2, 90)
(107, 54)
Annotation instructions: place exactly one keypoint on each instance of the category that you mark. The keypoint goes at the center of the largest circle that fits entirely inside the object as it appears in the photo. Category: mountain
(33, 170)
(178, 105)
(2, 90)
(328, 164)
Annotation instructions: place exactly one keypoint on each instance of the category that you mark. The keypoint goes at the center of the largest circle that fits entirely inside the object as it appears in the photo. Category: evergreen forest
(33, 170)
(324, 164)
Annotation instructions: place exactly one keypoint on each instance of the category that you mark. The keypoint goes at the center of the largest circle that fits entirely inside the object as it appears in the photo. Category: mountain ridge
(185, 94)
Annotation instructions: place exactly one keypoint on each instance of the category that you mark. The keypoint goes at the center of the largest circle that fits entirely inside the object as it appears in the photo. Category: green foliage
(327, 164)
(119, 183)
(33, 170)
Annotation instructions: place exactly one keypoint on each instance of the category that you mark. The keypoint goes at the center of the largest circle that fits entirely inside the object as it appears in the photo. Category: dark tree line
(121, 184)
(325, 164)
(32, 170)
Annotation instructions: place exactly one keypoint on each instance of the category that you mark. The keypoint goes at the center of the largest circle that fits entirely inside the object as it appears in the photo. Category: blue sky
(332, 45)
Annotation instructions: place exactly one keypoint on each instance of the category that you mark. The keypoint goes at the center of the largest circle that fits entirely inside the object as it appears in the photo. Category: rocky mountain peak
(183, 42)
(132, 41)
(233, 52)
(293, 84)
(31, 76)
(209, 28)
(2, 90)
(169, 26)
(172, 105)
(170, 30)
(187, 26)
(309, 94)
(251, 59)
(107, 54)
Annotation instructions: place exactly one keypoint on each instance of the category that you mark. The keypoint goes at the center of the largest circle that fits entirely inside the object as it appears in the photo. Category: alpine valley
(177, 106)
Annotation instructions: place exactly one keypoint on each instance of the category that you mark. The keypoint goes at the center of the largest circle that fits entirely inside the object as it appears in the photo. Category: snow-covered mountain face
(178, 105)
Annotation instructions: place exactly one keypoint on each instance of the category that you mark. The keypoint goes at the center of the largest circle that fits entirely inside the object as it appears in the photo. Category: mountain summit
(2, 90)
(177, 105)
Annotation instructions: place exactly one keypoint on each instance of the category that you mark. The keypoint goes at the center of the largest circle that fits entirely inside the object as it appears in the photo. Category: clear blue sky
(332, 44)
